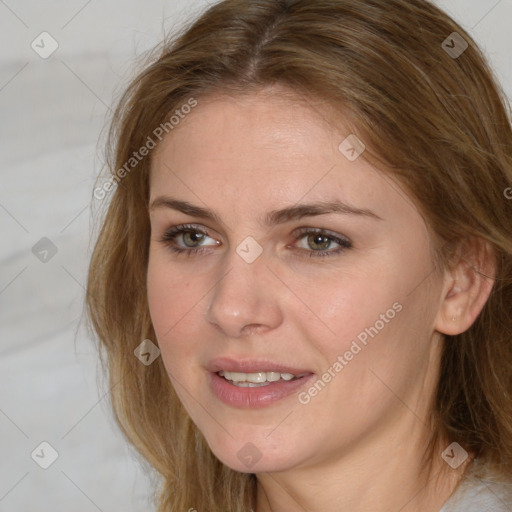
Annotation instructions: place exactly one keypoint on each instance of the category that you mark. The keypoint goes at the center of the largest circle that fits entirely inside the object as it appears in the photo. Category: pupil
(320, 240)
(195, 237)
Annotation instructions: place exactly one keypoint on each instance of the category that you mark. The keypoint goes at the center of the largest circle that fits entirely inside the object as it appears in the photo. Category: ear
(468, 285)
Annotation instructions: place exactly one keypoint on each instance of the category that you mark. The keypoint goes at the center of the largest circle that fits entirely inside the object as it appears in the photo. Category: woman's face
(342, 294)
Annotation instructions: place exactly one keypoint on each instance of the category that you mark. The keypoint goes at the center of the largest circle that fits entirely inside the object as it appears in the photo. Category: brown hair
(438, 123)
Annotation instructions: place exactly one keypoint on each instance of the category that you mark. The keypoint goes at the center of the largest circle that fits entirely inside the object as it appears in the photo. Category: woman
(310, 226)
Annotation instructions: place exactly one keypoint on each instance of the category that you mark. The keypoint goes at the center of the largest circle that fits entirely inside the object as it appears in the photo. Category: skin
(357, 445)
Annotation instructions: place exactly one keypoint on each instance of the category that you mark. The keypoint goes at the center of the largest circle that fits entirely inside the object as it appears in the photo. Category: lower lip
(252, 398)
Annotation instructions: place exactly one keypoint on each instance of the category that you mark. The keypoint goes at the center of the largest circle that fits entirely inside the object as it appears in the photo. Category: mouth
(250, 384)
(257, 379)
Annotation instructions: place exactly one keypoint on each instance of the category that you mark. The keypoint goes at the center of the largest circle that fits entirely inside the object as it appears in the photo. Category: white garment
(480, 494)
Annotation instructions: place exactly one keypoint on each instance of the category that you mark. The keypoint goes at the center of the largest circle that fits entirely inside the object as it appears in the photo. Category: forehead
(257, 132)
(263, 148)
(230, 126)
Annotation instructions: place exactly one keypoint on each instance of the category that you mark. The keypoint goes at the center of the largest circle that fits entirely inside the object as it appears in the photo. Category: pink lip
(253, 398)
(252, 366)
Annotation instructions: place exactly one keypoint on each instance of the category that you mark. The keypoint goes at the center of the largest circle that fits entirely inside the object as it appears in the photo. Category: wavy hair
(436, 122)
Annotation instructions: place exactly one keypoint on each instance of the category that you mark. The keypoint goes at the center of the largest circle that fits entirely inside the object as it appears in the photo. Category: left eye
(318, 242)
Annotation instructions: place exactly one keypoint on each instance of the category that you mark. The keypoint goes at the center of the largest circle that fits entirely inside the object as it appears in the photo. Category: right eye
(190, 235)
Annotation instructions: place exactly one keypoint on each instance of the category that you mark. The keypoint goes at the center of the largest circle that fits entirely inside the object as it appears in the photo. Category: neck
(377, 477)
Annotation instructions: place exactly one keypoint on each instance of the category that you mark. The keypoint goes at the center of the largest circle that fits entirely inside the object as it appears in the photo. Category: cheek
(340, 308)
(172, 302)
(381, 344)
(370, 318)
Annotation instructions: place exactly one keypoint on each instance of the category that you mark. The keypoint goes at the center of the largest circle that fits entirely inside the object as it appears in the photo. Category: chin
(255, 457)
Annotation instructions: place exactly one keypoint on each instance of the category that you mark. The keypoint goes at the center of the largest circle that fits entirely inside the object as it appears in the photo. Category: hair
(440, 125)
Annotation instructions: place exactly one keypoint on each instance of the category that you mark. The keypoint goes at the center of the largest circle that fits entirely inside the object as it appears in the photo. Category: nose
(245, 299)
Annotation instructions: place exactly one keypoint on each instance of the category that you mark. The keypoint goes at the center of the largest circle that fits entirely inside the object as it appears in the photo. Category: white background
(52, 112)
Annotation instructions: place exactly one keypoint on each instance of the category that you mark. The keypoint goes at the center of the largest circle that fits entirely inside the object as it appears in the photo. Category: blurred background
(62, 64)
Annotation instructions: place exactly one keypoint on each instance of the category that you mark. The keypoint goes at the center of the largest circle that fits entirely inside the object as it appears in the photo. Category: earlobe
(468, 286)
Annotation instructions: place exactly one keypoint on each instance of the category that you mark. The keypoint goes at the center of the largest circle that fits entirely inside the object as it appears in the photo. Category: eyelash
(170, 235)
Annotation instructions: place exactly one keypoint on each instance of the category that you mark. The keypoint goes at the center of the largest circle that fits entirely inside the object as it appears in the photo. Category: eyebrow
(273, 217)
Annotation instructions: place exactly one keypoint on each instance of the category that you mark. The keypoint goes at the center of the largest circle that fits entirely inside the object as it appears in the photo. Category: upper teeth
(257, 377)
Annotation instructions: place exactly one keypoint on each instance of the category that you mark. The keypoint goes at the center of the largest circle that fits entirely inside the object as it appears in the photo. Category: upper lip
(252, 366)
